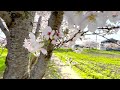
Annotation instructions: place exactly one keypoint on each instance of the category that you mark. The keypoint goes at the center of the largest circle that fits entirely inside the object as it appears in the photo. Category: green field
(90, 64)
(93, 64)
(2, 61)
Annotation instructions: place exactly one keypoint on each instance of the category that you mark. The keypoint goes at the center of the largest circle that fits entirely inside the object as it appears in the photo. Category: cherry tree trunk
(38, 70)
(19, 23)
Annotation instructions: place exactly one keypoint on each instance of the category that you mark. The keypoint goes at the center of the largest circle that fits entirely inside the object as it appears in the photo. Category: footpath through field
(65, 71)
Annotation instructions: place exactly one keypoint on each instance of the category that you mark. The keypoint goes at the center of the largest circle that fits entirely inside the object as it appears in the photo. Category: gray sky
(99, 38)
(1, 34)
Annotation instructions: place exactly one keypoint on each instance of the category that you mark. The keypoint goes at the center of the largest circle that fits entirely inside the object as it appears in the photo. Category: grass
(93, 64)
(51, 72)
(90, 64)
(2, 61)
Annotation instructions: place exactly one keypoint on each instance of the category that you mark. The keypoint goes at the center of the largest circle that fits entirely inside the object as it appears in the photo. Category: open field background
(89, 64)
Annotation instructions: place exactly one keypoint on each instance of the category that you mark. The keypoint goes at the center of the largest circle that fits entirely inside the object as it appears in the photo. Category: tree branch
(38, 27)
(109, 28)
(38, 71)
(72, 37)
(4, 29)
(79, 31)
(105, 38)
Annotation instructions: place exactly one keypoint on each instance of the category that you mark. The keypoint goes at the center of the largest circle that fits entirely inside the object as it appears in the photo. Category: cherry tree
(17, 28)
(53, 30)
(76, 22)
(91, 44)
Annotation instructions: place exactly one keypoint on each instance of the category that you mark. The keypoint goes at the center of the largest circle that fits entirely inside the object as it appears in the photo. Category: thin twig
(79, 31)
(105, 38)
(109, 28)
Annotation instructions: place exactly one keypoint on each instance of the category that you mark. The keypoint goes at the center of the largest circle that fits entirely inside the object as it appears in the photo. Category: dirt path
(59, 70)
(65, 71)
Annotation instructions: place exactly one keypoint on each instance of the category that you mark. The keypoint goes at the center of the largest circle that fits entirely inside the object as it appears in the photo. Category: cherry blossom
(54, 42)
(113, 15)
(74, 21)
(32, 45)
(27, 44)
(91, 18)
(44, 51)
(48, 33)
(59, 33)
(56, 37)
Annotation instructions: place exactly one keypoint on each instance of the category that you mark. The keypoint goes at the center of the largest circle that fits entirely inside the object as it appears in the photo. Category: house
(110, 44)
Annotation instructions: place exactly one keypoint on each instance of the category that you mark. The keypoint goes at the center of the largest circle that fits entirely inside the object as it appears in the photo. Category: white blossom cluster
(74, 21)
(35, 45)
(92, 19)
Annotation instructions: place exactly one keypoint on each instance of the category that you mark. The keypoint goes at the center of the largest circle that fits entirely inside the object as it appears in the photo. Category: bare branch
(105, 38)
(3, 28)
(79, 31)
(38, 27)
(72, 37)
(109, 28)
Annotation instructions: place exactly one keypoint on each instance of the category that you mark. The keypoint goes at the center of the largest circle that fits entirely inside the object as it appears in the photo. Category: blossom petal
(44, 51)
(46, 37)
(61, 34)
(46, 30)
(49, 29)
(51, 35)
(32, 36)
(31, 50)
(92, 27)
(41, 44)
(53, 31)
(55, 37)
(53, 42)
(38, 39)
(26, 43)
(36, 46)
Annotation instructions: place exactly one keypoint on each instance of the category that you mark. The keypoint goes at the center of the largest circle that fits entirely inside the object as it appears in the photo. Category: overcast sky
(1, 34)
(99, 38)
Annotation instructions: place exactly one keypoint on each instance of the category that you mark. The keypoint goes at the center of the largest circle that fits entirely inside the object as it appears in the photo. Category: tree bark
(38, 71)
(19, 23)
(38, 27)
(37, 33)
